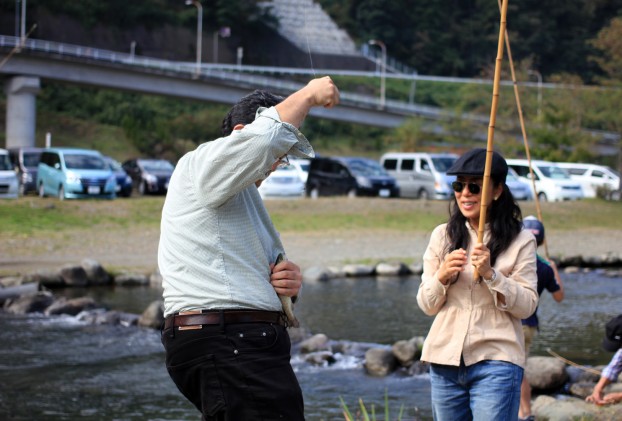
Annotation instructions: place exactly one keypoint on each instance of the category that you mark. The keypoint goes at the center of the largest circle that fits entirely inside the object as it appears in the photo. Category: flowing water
(57, 368)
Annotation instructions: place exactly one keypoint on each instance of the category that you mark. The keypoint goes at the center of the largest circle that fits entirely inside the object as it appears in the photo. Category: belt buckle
(191, 327)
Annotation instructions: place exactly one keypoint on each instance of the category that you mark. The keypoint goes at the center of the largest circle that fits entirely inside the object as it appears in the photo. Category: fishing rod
(491, 129)
(524, 131)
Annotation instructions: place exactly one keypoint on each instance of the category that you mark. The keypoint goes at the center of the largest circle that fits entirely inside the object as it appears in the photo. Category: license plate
(93, 190)
(384, 193)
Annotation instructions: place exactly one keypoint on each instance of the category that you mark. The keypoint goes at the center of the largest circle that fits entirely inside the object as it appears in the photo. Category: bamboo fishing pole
(524, 131)
(491, 129)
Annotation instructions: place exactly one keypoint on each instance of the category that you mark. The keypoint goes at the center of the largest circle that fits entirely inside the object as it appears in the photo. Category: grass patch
(30, 215)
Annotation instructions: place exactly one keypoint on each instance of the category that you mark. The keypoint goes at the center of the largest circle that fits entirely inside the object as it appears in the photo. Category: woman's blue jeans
(486, 391)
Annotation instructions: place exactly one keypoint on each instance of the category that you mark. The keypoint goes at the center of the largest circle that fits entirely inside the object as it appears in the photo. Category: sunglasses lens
(473, 188)
(458, 186)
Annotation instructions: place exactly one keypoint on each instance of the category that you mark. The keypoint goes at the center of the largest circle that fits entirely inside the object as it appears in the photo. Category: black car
(350, 176)
(149, 175)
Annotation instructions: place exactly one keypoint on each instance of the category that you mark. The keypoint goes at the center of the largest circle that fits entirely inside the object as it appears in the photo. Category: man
(227, 348)
(549, 279)
(612, 343)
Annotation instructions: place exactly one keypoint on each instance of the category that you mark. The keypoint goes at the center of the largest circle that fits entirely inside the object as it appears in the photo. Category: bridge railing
(249, 75)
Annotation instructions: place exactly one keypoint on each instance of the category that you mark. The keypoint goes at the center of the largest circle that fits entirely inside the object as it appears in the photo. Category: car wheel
(41, 190)
(423, 194)
(352, 193)
(542, 197)
(61, 193)
(314, 193)
(142, 188)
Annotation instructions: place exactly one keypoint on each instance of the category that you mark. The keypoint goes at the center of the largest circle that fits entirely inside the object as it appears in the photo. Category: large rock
(379, 361)
(46, 277)
(95, 273)
(316, 274)
(315, 343)
(551, 409)
(72, 307)
(153, 316)
(358, 270)
(546, 373)
(392, 269)
(131, 280)
(404, 352)
(74, 275)
(30, 303)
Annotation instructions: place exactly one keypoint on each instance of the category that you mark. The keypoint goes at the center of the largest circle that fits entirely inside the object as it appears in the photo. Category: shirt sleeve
(519, 287)
(614, 368)
(432, 294)
(223, 167)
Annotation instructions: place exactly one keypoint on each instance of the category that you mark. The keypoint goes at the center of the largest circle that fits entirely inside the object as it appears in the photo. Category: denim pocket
(198, 381)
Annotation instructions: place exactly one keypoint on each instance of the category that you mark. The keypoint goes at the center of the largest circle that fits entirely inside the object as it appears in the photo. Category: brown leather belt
(215, 317)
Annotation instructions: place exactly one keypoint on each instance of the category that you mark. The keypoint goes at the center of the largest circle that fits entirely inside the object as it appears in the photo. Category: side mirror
(57, 166)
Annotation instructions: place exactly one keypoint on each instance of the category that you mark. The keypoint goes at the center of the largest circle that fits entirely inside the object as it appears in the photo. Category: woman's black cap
(473, 162)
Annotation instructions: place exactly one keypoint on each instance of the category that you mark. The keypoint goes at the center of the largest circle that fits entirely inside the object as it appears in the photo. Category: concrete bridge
(39, 59)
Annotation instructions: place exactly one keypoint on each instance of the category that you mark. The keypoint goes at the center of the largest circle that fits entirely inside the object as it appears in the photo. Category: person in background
(227, 347)
(475, 345)
(612, 342)
(549, 279)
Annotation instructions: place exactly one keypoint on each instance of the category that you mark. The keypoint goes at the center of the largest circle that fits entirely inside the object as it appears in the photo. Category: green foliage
(364, 413)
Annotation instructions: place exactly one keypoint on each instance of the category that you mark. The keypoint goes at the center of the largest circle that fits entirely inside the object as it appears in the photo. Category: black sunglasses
(458, 186)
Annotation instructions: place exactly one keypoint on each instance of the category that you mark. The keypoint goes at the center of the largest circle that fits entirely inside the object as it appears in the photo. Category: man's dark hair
(243, 112)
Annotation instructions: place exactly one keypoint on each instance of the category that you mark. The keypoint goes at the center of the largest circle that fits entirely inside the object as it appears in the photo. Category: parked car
(421, 175)
(8, 179)
(552, 182)
(521, 190)
(124, 181)
(284, 182)
(26, 161)
(593, 178)
(149, 175)
(302, 166)
(350, 176)
(72, 173)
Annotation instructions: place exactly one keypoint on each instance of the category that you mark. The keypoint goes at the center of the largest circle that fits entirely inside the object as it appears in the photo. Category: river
(57, 368)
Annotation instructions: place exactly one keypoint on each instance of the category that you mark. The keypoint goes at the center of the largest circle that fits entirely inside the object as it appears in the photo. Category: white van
(419, 174)
(552, 182)
(594, 177)
(8, 178)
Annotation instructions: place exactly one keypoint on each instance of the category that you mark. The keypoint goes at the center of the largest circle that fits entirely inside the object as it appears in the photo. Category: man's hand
(286, 278)
(320, 92)
(323, 92)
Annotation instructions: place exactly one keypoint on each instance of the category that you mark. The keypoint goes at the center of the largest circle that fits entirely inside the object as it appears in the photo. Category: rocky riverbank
(560, 388)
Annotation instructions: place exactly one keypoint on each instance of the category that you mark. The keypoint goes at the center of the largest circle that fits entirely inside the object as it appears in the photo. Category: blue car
(124, 181)
(72, 173)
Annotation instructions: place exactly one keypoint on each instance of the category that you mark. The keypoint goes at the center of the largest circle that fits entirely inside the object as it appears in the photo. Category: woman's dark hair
(504, 216)
(243, 112)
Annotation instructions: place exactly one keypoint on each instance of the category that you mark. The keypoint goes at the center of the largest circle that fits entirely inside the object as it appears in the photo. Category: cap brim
(611, 346)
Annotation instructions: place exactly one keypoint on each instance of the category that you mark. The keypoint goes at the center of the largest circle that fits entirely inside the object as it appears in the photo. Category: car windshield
(114, 165)
(366, 167)
(5, 163)
(155, 166)
(84, 162)
(31, 159)
(443, 164)
(554, 172)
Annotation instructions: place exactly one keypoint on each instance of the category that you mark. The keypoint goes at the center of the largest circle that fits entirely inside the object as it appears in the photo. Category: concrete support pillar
(21, 113)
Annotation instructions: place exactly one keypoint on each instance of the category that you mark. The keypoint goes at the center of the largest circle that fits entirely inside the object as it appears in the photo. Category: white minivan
(8, 178)
(419, 174)
(552, 182)
(594, 177)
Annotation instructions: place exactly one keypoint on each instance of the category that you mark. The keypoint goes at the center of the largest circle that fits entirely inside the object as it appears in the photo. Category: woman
(475, 346)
